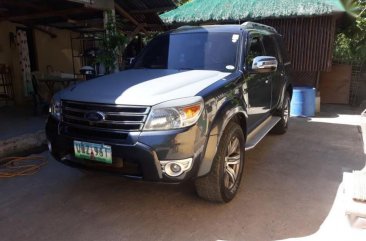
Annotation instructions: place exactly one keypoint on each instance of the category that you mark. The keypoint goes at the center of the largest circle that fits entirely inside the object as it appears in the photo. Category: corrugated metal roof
(235, 10)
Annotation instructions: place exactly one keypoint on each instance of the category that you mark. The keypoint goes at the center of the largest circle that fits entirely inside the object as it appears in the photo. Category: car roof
(228, 28)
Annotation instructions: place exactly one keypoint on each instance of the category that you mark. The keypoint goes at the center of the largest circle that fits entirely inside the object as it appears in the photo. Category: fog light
(177, 167)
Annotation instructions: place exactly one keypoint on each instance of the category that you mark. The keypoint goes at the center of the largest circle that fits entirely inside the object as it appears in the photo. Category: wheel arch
(227, 114)
(241, 120)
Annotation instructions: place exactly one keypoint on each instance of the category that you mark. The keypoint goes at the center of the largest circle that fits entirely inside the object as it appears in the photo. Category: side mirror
(264, 64)
(129, 62)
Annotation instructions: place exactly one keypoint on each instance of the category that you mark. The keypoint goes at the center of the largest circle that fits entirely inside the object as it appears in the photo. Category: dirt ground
(287, 191)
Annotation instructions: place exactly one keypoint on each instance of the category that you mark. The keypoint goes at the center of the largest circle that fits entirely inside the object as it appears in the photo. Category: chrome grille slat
(109, 113)
(117, 118)
(97, 106)
(106, 121)
(124, 114)
(104, 105)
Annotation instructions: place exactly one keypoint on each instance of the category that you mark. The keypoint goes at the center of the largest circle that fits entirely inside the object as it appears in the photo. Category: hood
(142, 86)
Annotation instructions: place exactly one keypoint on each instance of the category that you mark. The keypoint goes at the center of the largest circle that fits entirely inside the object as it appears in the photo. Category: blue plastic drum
(303, 101)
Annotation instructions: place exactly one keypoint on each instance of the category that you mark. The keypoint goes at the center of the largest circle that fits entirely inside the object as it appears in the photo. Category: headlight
(55, 108)
(175, 114)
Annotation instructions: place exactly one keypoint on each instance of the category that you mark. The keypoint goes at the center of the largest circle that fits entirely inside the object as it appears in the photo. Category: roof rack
(253, 25)
(186, 27)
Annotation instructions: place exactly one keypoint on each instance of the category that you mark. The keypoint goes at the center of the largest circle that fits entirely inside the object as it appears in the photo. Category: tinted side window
(156, 55)
(271, 47)
(255, 49)
(283, 49)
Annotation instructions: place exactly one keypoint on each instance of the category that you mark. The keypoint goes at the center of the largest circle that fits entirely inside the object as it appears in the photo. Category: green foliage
(112, 44)
(350, 44)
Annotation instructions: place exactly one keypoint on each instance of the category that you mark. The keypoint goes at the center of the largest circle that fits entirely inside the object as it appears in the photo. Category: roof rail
(185, 27)
(254, 25)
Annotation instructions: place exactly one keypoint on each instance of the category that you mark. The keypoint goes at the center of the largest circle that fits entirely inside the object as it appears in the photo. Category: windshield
(191, 51)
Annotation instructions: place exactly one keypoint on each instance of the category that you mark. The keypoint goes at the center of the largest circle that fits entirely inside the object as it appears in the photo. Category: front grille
(117, 121)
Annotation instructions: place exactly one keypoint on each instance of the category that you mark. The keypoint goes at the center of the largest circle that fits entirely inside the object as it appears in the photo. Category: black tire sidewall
(282, 125)
(233, 130)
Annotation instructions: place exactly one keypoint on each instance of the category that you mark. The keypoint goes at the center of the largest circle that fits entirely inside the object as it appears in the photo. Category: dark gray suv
(192, 103)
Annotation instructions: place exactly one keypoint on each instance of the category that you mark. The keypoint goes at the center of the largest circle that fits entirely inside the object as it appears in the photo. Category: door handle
(267, 81)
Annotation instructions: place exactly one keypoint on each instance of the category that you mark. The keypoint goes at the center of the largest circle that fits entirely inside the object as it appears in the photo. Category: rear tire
(222, 183)
(281, 127)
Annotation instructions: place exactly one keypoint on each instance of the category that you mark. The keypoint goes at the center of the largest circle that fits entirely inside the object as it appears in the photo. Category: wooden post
(105, 21)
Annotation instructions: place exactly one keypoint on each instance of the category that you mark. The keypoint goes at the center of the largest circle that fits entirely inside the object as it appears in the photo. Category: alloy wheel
(286, 111)
(232, 163)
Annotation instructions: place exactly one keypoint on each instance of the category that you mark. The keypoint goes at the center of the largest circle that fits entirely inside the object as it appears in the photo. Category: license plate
(93, 151)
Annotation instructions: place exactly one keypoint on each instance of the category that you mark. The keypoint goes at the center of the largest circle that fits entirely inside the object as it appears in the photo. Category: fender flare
(226, 113)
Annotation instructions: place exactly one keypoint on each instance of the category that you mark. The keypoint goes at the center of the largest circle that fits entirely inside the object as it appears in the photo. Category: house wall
(55, 52)
(335, 85)
(358, 85)
(9, 56)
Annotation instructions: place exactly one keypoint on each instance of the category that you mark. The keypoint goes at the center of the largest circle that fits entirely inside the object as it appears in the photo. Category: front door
(271, 49)
(257, 85)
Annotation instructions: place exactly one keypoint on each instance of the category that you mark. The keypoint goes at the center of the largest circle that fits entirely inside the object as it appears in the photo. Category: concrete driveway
(288, 189)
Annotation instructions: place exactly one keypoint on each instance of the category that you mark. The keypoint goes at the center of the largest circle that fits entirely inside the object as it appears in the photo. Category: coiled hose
(21, 166)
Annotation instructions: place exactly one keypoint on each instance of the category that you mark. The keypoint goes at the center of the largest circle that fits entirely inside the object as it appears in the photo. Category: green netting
(234, 10)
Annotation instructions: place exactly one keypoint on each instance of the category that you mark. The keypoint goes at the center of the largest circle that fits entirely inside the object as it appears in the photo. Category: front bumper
(140, 157)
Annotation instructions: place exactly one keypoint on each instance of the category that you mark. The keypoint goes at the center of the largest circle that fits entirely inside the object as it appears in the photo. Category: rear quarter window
(282, 48)
(272, 48)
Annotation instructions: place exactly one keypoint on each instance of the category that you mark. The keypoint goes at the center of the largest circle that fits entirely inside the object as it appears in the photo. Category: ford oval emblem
(94, 116)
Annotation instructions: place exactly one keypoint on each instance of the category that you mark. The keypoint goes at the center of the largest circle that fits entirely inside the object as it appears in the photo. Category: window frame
(275, 48)
(251, 36)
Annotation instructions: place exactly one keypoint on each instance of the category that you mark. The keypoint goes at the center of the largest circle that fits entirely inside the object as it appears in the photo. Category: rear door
(257, 85)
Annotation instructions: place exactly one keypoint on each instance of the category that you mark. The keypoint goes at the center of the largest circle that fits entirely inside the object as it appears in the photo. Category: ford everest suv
(192, 103)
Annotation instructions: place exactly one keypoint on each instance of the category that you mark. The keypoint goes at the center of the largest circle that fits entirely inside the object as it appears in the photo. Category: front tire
(222, 183)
